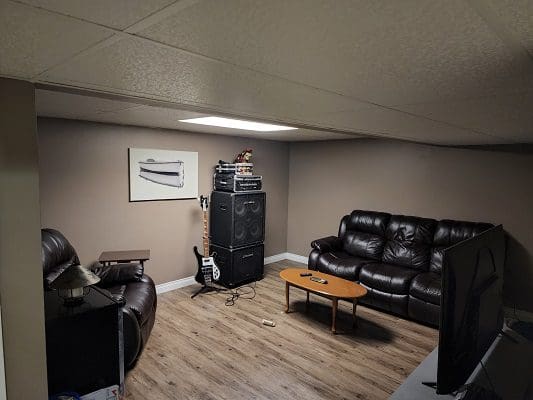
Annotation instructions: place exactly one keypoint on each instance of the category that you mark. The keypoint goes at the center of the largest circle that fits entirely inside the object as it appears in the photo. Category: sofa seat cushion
(387, 278)
(422, 311)
(341, 264)
(427, 287)
(394, 303)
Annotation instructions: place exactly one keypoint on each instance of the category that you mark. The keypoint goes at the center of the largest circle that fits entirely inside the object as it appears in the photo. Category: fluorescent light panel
(237, 124)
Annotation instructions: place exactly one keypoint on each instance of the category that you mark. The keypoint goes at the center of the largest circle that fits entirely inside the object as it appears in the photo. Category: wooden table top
(336, 287)
(124, 255)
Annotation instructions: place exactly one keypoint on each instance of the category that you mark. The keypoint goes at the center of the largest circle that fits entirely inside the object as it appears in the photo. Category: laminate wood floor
(202, 349)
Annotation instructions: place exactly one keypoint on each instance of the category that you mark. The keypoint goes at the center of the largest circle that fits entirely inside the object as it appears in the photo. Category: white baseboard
(173, 285)
(275, 258)
(296, 257)
(522, 315)
(286, 256)
(180, 283)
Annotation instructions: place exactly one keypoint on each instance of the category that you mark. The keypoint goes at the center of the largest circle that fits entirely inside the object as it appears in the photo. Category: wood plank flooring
(201, 349)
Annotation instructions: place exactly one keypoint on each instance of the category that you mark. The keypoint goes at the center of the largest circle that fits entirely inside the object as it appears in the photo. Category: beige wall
(21, 280)
(328, 180)
(84, 191)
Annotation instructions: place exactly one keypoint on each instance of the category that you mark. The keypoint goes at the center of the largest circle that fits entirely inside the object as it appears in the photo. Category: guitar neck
(206, 236)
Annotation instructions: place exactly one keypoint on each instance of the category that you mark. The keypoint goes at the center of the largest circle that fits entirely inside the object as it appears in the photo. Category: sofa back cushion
(450, 232)
(409, 241)
(57, 254)
(363, 233)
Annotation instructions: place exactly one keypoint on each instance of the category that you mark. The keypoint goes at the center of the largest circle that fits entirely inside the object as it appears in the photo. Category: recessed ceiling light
(237, 124)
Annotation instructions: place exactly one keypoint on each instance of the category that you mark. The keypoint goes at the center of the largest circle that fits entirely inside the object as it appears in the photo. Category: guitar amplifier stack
(237, 224)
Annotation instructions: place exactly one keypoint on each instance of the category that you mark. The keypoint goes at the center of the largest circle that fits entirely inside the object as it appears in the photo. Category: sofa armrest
(117, 274)
(327, 244)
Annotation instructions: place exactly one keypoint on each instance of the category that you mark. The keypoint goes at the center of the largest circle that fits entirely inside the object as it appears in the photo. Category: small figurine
(244, 157)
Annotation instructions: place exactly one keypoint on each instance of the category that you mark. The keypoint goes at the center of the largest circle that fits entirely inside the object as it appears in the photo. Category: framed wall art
(162, 174)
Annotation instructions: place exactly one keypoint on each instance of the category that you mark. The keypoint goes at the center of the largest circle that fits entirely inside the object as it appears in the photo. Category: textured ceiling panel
(403, 126)
(517, 15)
(509, 117)
(458, 69)
(136, 66)
(157, 117)
(67, 105)
(117, 14)
(33, 40)
(97, 109)
(388, 52)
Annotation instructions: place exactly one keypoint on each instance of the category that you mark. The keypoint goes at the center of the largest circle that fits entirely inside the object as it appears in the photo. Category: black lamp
(72, 284)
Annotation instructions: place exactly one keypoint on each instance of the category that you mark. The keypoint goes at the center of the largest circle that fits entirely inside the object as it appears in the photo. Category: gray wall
(329, 179)
(84, 191)
(21, 282)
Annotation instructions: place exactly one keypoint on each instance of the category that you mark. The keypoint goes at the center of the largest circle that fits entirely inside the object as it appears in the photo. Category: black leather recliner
(397, 258)
(126, 283)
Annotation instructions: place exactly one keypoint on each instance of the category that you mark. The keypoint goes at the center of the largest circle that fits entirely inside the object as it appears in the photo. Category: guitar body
(199, 277)
(207, 269)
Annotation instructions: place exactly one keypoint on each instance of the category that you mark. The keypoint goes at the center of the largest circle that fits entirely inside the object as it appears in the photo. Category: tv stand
(432, 385)
(421, 384)
(503, 356)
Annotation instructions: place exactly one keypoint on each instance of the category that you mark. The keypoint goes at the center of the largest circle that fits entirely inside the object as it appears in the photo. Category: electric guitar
(207, 268)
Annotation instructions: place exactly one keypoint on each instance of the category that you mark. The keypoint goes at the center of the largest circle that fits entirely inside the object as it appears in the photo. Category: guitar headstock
(204, 202)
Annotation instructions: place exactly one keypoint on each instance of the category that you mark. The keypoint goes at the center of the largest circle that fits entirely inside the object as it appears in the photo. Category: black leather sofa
(397, 258)
(126, 283)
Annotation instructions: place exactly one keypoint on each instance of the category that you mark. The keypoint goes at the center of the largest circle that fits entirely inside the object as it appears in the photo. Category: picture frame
(157, 174)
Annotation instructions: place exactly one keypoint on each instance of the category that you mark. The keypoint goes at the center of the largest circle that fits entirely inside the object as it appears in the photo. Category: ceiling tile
(387, 52)
(67, 105)
(404, 126)
(159, 117)
(34, 40)
(117, 14)
(509, 117)
(137, 66)
(517, 16)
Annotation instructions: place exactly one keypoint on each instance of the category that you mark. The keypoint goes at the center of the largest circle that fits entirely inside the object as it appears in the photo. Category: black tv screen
(471, 306)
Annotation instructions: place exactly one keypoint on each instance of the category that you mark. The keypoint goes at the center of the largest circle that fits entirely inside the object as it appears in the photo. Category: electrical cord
(246, 292)
(487, 375)
(239, 293)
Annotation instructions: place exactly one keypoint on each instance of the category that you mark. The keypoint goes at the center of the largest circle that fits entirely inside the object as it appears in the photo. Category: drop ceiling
(454, 72)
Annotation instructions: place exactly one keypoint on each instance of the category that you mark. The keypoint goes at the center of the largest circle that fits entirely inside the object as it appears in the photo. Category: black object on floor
(477, 392)
(204, 289)
(524, 329)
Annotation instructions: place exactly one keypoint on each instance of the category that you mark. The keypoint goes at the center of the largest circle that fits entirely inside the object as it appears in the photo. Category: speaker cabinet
(237, 219)
(238, 266)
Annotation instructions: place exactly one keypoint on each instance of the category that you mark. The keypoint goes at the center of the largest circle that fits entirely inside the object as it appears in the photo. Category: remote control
(306, 274)
(319, 280)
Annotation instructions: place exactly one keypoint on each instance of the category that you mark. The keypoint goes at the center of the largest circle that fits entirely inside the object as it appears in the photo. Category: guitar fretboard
(206, 236)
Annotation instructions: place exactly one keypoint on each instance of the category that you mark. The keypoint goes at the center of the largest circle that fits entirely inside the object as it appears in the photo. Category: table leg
(307, 301)
(335, 302)
(287, 295)
(354, 308)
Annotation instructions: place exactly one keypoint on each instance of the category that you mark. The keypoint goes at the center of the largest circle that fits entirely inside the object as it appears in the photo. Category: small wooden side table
(124, 256)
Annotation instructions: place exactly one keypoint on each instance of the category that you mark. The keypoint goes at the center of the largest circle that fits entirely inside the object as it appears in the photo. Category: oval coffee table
(336, 288)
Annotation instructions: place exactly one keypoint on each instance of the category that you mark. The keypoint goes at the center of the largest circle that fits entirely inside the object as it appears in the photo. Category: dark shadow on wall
(518, 285)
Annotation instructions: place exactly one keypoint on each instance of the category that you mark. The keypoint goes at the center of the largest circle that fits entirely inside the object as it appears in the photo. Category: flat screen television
(471, 306)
